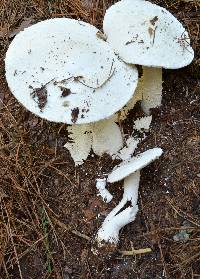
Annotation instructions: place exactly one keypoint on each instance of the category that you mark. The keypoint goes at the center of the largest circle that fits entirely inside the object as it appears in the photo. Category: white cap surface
(136, 163)
(62, 71)
(145, 34)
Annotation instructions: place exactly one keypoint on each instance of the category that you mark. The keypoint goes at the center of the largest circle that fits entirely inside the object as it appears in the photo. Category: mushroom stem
(109, 232)
(107, 137)
(152, 88)
(117, 219)
(103, 192)
(137, 96)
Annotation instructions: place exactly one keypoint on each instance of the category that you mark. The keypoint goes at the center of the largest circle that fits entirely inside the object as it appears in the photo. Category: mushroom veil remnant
(146, 34)
(80, 142)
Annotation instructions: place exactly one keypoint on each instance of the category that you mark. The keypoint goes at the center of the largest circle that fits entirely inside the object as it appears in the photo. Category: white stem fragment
(142, 123)
(151, 89)
(81, 142)
(131, 186)
(127, 152)
(116, 220)
(103, 192)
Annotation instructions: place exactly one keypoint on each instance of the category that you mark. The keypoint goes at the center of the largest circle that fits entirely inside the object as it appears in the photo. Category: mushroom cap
(134, 164)
(61, 70)
(146, 34)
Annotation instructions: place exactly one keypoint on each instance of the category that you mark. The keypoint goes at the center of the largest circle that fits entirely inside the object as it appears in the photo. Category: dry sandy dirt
(45, 203)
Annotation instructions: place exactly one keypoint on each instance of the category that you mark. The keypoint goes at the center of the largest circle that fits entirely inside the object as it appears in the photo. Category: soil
(50, 211)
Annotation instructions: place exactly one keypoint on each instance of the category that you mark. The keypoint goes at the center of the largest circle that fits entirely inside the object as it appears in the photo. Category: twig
(81, 235)
(109, 77)
(31, 247)
(135, 252)
(67, 228)
(62, 174)
(162, 260)
(183, 214)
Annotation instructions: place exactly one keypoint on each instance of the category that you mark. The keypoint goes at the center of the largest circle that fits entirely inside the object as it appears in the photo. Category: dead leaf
(24, 24)
(41, 94)
(101, 36)
(153, 20)
(33, 122)
(151, 31)
(50, 151)
(65, 91)
(74, 114)
(87, 4)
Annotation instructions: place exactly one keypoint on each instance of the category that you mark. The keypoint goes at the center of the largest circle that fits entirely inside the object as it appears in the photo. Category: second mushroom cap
(146, 34)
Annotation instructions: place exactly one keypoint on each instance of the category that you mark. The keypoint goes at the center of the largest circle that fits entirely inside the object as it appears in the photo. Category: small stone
(181, 236)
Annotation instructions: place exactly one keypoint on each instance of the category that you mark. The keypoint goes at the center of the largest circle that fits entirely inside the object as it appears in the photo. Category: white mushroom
(145, 34)
(62, 71)
(107, 136)
(103, 137)
(151, 89)
(119, 217)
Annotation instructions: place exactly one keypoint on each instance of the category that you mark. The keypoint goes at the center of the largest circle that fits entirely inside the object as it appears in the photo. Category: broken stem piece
(103, 192)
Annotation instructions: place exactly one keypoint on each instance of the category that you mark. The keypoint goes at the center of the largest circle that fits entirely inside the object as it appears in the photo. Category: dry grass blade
(68, 228)
(10, 234)
(134, 252)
